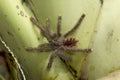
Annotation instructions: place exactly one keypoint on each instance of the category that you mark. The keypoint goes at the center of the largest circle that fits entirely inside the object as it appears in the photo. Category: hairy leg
(59, 26)
(41, 48)
(88, 50)
(34, 21)
(76, 26)
(63, 55)
(52, 56)
(42, 29)
(66, 59)
(48, 26)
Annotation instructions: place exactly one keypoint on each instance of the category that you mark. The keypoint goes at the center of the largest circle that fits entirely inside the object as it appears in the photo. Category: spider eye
(69, 42)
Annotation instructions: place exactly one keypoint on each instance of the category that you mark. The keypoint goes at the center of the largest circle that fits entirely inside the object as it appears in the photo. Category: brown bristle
(69, 42)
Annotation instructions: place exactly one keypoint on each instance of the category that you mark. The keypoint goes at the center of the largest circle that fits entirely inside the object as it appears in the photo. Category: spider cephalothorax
(58, 43)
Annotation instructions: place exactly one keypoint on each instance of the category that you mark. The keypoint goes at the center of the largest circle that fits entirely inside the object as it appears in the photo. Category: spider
(57, 43)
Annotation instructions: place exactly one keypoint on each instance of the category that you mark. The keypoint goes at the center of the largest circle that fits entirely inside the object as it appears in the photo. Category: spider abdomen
(69, 42)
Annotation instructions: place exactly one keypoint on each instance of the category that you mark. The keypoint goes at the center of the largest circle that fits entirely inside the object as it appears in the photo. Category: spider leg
(41, 48)
(52, 56)
(48, 26)
(37, 24)
(76, 26)
(65, 58)
(70, 68)
(63, 55)
(78, 50)
(59, 26)
(43, 30)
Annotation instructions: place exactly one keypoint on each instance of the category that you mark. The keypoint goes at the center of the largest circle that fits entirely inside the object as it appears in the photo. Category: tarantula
(57, 43)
